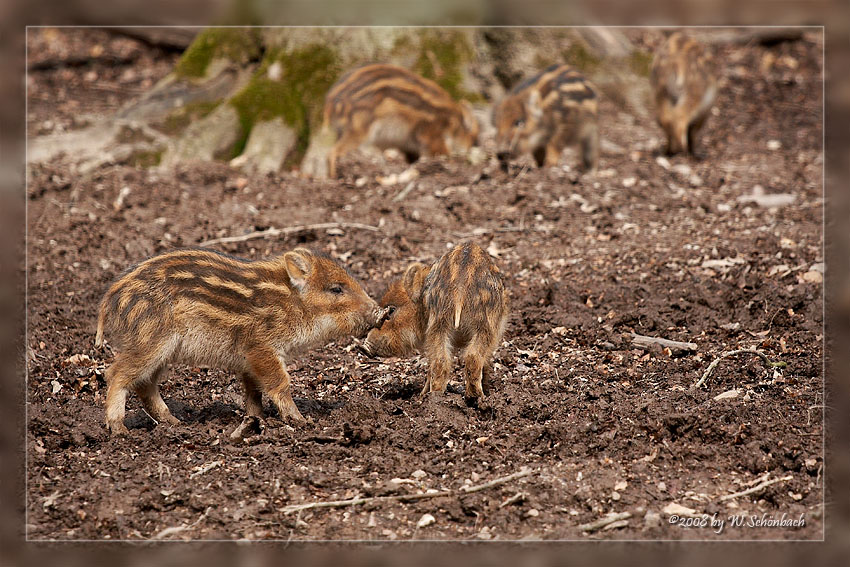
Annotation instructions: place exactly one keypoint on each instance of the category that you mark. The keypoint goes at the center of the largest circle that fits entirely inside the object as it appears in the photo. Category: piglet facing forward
(546, 113)
(206, 308)
(459, 304)
(684, 83)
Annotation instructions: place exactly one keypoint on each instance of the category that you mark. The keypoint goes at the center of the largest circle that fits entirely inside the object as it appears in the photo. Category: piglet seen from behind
(459, 304)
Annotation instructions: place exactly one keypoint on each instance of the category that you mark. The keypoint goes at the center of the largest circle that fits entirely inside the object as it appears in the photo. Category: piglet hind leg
(473, 366)
(148, 392)
(439, 365)
(270, 374)
(487, 377)
(478, 370)
(117, 378)
(131, 371)
(252, 422)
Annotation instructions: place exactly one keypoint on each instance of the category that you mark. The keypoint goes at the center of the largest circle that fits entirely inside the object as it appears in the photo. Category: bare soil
(658, 249)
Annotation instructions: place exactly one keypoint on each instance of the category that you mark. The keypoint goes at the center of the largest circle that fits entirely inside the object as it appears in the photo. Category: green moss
(579, 57)
(179, 119)
(130, 135)
(306, 75)
(640, 62)
(442, 56)
(236, 44)
(145, 158)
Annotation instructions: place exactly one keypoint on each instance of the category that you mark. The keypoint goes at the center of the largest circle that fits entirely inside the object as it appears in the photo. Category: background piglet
(684, 83)
(390, 107)
(545, 114)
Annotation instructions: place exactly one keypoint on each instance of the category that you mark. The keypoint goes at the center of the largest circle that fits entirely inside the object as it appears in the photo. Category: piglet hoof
(118, 430)
(433, 397)
(295, 418)
(249, 427)
(481, 404)
(171, 420)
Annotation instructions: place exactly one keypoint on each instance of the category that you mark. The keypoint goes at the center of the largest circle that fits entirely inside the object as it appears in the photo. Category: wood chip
(728, 395)
(604, 521)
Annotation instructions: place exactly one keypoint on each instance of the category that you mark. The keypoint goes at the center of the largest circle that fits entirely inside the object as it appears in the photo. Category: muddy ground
(664, 249)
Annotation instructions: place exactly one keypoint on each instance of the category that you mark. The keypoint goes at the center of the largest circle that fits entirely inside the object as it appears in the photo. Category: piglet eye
(335, 289)
(390, 310)
(519, 122)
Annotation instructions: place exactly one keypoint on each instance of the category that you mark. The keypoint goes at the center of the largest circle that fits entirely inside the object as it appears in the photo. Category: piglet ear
(299, 264)
(414, 280)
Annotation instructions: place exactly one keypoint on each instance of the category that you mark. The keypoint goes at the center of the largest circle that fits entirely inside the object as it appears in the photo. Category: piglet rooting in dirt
(546, 113)
(390, 107)
(459, 304)
(684, 82)
(205, 308)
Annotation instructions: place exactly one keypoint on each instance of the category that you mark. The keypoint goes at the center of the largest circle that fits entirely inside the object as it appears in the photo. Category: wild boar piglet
(684, 83)
(390, 107)
(206, 308)
(457, 305)
(546, 113)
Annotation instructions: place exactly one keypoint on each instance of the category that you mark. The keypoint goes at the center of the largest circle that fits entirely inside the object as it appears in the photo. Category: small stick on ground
(177, 529)
(602, 522)
(717, 360)
(269, 232)
(757, 488)
(406, 497)
(404, 192)
(643, 341)
(518, 497)
(206, 468)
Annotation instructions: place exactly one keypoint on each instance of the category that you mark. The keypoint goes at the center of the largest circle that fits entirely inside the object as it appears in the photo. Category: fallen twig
(288, 230)
(519, 496)
(716, 361)
(521, 173)
(205, 468)
(405, 497)
(757, 488)
(643, 341)
(602, 522)
(404, 192)
(177, 529)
